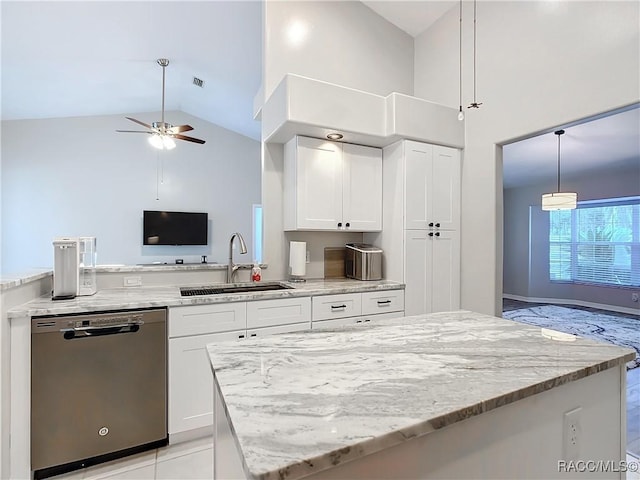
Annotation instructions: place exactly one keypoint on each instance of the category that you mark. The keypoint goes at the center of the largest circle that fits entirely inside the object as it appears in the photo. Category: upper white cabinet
(332, 186)
(421, 237)
(432, 198)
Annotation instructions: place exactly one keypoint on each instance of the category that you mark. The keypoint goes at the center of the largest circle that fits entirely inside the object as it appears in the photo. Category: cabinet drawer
(292, 327)
(281, 311)
(203, 319)
(337, 306)
(382, 302)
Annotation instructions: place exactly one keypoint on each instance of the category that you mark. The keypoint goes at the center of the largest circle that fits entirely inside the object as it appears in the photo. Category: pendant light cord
(460, 56)
(559, 133)
(475, 103)
(474, 50)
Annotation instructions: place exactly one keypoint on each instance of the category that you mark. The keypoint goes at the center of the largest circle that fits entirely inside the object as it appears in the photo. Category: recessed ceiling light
(334, 136)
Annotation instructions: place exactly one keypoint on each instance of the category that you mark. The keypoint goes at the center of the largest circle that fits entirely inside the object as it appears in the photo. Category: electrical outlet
(132, 281)
(572, 434)
(634, 297)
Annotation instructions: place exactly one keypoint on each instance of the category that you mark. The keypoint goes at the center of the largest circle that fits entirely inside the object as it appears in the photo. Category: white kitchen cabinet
(336, 306)
(432, 179)
(281, 311)
(421, 217)
(192, 328)
(332, 186)
(375, 303)
(190, 381)
(432, 269)
(356, 308)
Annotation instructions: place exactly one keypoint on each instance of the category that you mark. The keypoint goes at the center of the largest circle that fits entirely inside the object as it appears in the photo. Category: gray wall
(526, 238)
(77, 176)
(540, 64)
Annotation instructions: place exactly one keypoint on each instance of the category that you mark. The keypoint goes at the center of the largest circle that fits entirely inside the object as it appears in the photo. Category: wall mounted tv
(174, 228)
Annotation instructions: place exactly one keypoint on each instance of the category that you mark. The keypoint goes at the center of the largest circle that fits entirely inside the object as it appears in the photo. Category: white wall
(347, 44)
(539, 65)
(77, 176)
(526, 238)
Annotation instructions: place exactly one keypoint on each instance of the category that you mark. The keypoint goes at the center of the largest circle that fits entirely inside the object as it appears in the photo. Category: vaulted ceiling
(62, 59)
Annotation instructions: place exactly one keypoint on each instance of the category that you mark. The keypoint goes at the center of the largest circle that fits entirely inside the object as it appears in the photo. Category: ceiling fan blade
(132, 131)
(138, 122)
(188, 139)
(179, 128)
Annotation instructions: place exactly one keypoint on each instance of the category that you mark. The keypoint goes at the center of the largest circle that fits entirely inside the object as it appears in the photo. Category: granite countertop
(169, 296)
(300, 403)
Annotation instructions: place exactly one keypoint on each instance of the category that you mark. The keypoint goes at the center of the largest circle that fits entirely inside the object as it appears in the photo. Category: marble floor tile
(117, 467)
(142, 473)
(195, 466)
(185, 448)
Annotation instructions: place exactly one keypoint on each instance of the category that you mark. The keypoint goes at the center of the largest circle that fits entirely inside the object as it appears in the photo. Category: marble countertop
(169, 296)
(300, 403)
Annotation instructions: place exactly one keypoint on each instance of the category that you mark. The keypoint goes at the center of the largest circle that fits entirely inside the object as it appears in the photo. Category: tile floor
(184, 461)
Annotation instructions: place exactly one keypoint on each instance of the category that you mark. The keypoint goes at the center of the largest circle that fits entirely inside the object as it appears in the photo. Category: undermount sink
(235, 288)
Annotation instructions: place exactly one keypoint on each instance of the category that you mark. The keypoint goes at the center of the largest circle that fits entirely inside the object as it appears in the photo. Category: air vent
(198, 83)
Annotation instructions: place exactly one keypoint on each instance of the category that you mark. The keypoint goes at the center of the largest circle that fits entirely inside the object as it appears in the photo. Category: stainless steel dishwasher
(98, 388)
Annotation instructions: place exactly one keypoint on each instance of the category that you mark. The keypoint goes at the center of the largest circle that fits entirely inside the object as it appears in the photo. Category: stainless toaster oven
(363, 261)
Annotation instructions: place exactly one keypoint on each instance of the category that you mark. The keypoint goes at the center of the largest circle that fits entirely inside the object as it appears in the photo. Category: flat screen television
(174, 228)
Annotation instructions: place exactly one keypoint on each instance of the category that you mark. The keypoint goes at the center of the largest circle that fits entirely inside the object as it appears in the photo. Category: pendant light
(474, 104)
(460, 113)
(559, 200)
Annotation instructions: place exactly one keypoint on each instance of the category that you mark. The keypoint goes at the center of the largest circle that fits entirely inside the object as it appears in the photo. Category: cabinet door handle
(431, 234)
(437, 234)
(431, 224)
(347, 224)
(384, 302)
(438, 225)
(339, 224)
(336, 307)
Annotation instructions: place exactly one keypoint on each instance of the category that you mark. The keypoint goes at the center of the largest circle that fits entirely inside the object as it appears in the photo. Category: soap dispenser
(256, 272)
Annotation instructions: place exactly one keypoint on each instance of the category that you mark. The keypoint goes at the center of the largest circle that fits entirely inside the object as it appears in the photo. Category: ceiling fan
(162, 133)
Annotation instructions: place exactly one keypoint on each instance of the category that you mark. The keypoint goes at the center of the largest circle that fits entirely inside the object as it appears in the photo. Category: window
(597, 243)
(257, 233)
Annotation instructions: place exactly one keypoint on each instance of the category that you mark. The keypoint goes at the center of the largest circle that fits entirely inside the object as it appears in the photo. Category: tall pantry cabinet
(421, 224)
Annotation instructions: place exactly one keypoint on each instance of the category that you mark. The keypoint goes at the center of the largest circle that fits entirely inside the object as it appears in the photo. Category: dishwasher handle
(83, 332)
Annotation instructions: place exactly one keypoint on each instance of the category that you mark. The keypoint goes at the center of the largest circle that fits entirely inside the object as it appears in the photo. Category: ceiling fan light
(156, 141)
(559, 201)
(168, 142)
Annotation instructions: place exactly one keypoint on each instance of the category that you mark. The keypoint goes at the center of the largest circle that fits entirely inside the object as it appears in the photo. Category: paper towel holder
(297, 261)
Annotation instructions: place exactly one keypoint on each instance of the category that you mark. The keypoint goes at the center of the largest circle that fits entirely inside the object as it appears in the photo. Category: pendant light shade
(559, 200)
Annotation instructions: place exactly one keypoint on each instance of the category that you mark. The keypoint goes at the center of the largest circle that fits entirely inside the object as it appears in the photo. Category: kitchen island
(446, 395)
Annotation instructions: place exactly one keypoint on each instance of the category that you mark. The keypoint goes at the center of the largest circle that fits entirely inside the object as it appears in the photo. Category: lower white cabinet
(192, 328)
(432, 271)
(356, 308)
(191, 382)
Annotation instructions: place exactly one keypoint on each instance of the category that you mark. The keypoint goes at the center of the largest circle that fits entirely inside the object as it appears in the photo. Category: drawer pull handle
(254, 334)
(384, 302)
(240, 336)
(336, 307)
(367, 319)
(358, 321)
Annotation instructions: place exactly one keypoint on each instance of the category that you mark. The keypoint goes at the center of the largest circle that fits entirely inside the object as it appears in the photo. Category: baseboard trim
(565, 301)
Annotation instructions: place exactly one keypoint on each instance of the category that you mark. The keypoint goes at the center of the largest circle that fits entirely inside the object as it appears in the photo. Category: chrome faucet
(231, 268)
